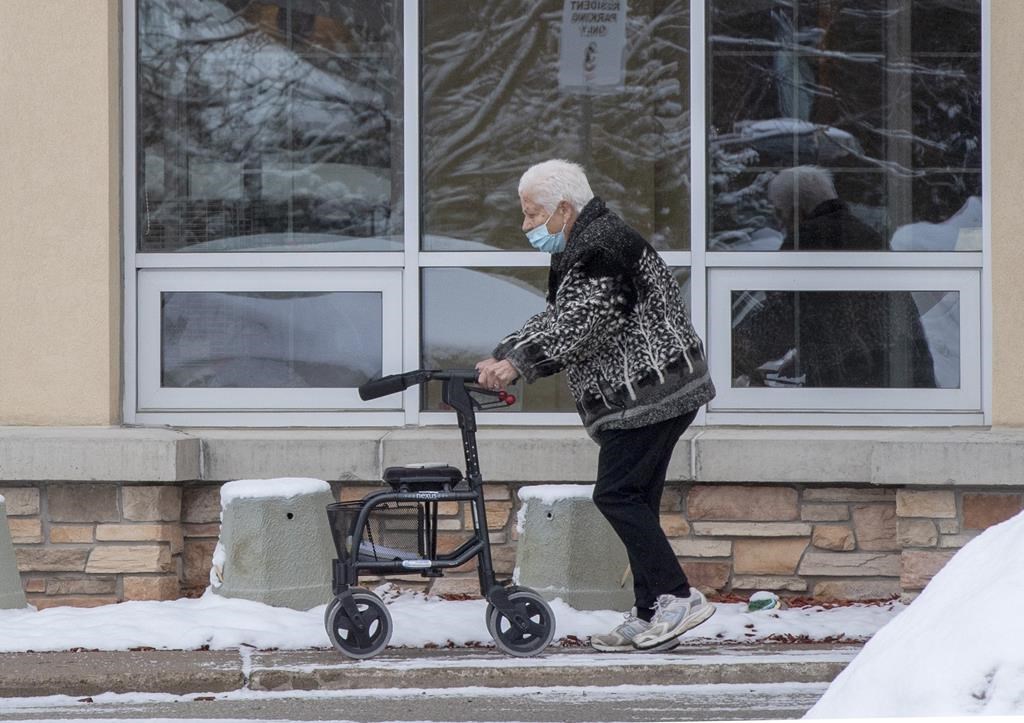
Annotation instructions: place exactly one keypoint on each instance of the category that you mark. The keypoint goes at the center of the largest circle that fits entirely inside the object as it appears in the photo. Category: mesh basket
(393, 531)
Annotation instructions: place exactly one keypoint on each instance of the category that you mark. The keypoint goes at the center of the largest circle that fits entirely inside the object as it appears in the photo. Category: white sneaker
(673, 616)
(620, 640)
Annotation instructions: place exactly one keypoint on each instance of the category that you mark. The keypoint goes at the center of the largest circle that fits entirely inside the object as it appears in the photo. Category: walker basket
(393, 531)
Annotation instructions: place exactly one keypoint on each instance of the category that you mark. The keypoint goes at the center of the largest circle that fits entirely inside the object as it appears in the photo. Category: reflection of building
(270, 155)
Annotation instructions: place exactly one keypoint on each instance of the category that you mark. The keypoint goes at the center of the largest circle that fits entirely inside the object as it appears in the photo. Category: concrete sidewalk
(187, 672)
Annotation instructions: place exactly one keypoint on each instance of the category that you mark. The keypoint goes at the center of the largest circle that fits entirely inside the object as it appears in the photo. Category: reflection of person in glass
(615, 323)
(812, 216)
(827, 338)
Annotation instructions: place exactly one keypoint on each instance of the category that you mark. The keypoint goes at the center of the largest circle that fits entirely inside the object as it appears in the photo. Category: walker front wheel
(365, 632)
(531, 627)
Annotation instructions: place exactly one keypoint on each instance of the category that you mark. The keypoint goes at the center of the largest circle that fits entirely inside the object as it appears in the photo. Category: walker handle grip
(391, 384)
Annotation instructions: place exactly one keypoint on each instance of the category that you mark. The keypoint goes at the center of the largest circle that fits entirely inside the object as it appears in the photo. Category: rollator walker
(395, 531)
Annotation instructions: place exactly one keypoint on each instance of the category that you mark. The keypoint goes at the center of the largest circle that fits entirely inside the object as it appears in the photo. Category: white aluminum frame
(152, 283)
(966, 398)
(381, 265)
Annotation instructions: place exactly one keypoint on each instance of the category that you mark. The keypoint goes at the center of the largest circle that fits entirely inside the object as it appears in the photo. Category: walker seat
(419, 477)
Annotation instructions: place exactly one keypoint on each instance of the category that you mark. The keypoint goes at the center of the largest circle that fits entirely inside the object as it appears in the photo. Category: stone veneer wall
(97, 543)
(89, 544)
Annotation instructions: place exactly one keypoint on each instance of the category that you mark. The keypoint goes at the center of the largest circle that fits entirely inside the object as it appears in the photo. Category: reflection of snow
(755, 130)
(942, 331)
(265, 93)
(960, 232)
(296, 242)
(324, 242)
(763, 239)
(235, 339)
(467, 311)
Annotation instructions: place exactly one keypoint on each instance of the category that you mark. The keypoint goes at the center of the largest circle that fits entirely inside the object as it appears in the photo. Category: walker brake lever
(502, 398)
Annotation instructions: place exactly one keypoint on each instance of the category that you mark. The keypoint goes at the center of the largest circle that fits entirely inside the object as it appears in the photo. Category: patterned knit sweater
(614, 321)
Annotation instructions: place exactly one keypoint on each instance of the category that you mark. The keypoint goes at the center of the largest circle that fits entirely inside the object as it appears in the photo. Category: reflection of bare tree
(238, 85)
(492, 105)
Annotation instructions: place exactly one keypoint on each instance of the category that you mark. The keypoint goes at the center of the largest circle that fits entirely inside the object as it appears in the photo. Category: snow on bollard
(568, 550)
(275, 543)
(11, 594)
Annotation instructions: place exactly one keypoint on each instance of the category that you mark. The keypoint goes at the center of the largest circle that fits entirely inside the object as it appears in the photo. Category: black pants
(631, 472)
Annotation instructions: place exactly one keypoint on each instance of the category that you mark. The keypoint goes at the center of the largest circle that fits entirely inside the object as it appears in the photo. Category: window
(290, 339)
(882, 97)
(843, 145)
(497, 96)
(844, 341)
(325, 192)
(269, 126)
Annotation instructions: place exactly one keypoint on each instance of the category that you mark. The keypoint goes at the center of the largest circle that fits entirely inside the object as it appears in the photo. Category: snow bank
(280, 487)
(957, 650)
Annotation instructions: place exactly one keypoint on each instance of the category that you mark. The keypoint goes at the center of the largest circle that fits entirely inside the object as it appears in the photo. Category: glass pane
(269, 126)
(505, 86)
(270, 339)
(467, 311)
(682, 276)
(888, 339)
(878, 102)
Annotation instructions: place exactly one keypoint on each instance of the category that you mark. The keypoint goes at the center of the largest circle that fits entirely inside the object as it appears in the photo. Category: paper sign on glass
(592, 46)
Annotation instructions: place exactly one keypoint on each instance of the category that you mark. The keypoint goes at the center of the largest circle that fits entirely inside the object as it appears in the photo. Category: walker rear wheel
(364, 634)
(531, 629)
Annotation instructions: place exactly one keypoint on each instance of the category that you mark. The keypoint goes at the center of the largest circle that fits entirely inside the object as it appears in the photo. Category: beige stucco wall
(1007, 153)
(59, 187)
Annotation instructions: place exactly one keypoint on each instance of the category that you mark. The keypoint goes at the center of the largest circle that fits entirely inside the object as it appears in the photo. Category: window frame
(723, 281)
(153, 283)
(704, 267)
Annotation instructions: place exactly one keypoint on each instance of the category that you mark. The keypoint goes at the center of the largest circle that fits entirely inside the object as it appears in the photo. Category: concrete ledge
(507, 454)
(958, 457)
(328, 454)
(961, 457)
(517, 454)
(784, 455)
(97, 454)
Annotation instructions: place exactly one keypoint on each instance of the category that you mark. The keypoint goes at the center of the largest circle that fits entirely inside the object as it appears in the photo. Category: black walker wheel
(531, 632)
(351, 639)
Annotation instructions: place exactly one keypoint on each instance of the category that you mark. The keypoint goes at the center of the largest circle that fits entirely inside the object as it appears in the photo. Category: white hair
(802, 188)
(550, 182)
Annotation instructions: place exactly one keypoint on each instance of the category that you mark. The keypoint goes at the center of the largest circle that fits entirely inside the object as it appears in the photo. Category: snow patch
(217, 568)
(280, 487)
(956, 650)
(419, 620)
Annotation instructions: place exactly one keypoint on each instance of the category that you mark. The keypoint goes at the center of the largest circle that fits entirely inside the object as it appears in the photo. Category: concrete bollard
(275, 543)
(568, 550)
(11, 594)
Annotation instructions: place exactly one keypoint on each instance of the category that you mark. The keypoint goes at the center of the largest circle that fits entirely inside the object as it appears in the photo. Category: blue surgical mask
(542, 240)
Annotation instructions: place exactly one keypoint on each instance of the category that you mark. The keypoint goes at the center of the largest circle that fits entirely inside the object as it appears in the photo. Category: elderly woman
(615, 323)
